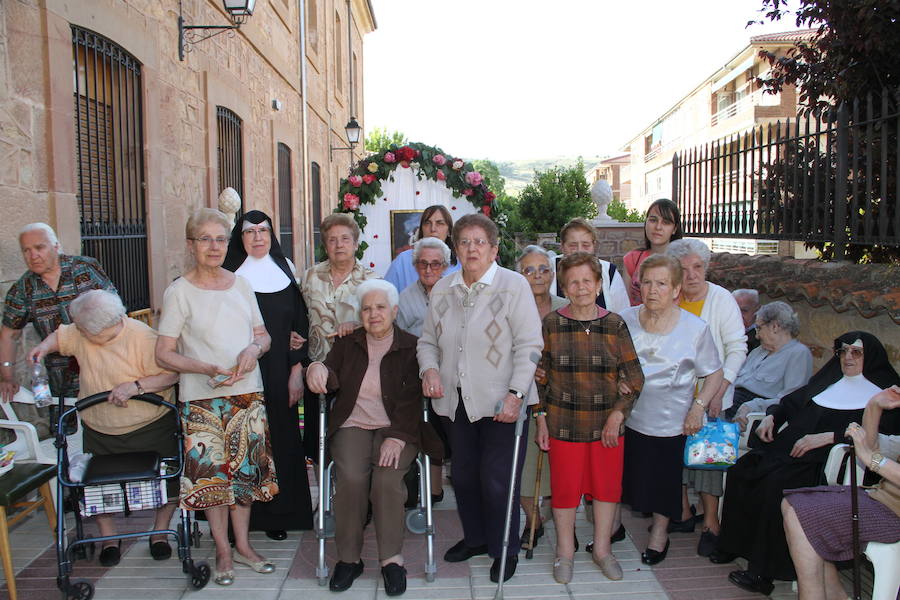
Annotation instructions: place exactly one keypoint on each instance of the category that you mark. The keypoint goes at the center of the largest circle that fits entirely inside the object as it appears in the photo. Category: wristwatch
(516, 393)
(878, 461)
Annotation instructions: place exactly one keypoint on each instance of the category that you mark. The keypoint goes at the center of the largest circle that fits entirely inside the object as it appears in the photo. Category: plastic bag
(715, 446)
(77, 466)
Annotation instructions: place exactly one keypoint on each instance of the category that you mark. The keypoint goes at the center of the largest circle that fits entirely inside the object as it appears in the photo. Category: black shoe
(435, 498)
(160, 550)
(751, 582)
(276, 534)
(511, 562)
(460, 552)
(111, 555)
(538, 533)
(344, 574)
(394, 579)
(717, 557)
(707, 544)
(654, 557)
(686, 526)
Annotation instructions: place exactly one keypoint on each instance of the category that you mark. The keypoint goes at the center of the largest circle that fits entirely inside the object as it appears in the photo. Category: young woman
(663, 225)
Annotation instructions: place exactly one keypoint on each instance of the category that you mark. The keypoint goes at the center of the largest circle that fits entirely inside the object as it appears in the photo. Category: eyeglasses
(425, 265)
(207, 241)
(853, 351)
(529, 271)
(476, 242)
(256, 231)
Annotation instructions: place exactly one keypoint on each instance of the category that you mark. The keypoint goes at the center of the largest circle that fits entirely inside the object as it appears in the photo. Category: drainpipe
(310, 253)
(350, 89)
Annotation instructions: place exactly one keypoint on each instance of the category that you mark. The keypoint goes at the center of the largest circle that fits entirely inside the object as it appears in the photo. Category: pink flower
(457, 164)
(355, 180)
(367, 178)
(389, 157)
(439, 159)
(474, 178)
(468, 192)
(351, 201)
(440, 176)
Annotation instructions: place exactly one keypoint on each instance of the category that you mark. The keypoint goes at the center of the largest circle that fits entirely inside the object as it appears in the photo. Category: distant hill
(519, 173)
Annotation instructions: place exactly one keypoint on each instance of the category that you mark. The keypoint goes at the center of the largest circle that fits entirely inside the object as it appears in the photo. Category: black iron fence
(816, 179)
(109, 142)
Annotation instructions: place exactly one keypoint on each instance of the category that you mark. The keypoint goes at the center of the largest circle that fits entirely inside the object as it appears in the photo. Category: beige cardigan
(486, 348)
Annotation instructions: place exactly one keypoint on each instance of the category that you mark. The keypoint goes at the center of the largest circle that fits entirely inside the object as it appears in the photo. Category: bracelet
(700, 404)
(539, 413)
(878, 460)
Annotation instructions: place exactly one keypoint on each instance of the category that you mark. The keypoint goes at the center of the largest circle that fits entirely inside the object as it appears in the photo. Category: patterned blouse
(329, 306)
(585, 361)
(31, 300)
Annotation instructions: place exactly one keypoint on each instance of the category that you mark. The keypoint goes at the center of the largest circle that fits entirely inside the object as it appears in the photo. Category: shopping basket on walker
(118, 483)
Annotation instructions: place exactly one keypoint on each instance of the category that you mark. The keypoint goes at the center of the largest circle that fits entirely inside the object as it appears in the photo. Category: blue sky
(517, 79)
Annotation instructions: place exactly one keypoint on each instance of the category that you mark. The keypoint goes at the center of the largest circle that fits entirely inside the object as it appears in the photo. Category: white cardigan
(722, 314)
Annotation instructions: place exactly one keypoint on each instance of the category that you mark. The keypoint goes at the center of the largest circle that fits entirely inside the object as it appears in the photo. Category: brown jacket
(401, 389)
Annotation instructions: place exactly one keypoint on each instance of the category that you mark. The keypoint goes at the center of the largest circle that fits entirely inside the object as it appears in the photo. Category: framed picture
(403, 225)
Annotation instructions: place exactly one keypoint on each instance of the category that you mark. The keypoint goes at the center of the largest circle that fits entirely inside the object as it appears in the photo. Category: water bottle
(40, 385)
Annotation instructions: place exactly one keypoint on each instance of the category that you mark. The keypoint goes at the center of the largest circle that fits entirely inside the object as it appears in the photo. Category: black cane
(854, 508)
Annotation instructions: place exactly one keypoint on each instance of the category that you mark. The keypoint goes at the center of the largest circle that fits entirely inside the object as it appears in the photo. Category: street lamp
(238, 10)
(353, 131)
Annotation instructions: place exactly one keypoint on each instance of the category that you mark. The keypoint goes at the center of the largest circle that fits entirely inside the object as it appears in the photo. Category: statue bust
(601, 194)
(229, 202)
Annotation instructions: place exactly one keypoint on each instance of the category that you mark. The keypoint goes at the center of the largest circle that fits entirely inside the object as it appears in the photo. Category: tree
(620, 212)
(851, 59)
(381, 139)
(555, 196)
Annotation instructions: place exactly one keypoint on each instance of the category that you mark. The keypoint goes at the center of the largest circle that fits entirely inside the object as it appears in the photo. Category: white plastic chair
(885, 557)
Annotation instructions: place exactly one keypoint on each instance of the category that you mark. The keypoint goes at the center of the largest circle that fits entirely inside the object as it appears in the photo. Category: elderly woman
(116, 355)
(661, 226)
(255, 254)
(588, 356)
(536, 265)
(780, 364)
(478, 351)
(435, 222)
(430, 257)
(675, 349)
(329, 289)
(815, 519)
(212, 333)
(715, 305)
(375, 430)
(816, 416)
(578, 235)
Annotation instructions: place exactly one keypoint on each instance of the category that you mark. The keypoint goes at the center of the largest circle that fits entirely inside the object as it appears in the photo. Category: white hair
(781, 313)
(752, 295)
(535, 249)
(434, 244)
(48, 231)
(678, 249)
(96, 310)
(378, 285)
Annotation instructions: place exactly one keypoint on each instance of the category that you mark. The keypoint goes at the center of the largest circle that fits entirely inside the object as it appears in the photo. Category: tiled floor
(682, 576)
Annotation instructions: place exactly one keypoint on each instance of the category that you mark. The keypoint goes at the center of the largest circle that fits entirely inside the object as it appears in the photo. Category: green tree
(553, 197)
(491, 172)
(381, 139)
(620, 212)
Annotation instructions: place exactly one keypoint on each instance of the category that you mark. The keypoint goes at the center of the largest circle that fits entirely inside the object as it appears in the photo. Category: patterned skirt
(228, 454)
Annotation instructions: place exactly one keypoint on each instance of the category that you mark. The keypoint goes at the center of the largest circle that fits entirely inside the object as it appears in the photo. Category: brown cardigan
(401, 389)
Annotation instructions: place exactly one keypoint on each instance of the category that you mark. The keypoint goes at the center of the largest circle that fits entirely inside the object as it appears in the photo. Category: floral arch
(364, 189)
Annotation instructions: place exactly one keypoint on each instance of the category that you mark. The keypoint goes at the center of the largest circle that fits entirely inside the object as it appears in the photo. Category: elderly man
(42, 296)
(748, 301)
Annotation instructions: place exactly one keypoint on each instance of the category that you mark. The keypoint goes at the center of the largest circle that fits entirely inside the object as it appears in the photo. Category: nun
(816, 417)
(255, 254)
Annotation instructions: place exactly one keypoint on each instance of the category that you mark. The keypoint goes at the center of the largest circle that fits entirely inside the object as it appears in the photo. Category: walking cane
(854, 508)
(529, 553)
(430, 564)
(321, 568)
(520, 425)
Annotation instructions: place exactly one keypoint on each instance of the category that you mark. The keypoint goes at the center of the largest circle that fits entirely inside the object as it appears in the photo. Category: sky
(524, 79)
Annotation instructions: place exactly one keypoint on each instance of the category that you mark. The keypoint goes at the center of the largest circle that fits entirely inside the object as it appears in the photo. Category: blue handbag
(714, 447)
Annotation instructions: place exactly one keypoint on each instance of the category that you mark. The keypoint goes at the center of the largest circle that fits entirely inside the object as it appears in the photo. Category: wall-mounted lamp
(353, 132)
(238, 10)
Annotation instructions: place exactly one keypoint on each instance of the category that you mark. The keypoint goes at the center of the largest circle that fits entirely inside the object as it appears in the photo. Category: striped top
(585, 361)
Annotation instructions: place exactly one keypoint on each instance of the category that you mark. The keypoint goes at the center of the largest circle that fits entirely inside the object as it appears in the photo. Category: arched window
(230, 151)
